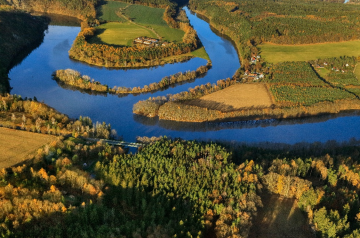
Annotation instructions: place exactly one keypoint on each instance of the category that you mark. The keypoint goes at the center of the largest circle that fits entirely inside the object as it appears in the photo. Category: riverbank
(73, 79)
(20, 34)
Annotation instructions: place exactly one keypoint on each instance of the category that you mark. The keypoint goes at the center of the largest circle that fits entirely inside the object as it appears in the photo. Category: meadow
(274, 53)
(201, 53)
(16, 145)
(148, 17)
(108, 10)
(122, 34)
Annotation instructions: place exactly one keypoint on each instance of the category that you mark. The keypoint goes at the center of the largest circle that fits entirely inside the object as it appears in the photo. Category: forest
(173, 187)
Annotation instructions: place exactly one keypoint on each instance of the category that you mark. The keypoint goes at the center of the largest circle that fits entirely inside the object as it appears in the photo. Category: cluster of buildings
(254, 59)
(318, 66)
(149, 41)
(254, 76)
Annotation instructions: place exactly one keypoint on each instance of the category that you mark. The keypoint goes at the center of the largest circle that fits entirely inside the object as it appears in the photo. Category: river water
(32, 77)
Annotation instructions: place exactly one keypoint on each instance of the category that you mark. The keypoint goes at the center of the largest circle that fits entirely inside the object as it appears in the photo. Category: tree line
(83, 82)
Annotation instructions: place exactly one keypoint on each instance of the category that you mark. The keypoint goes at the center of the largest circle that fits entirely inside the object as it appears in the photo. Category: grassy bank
(273, 53)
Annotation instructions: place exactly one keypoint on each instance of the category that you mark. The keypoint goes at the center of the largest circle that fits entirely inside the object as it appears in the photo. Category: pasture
(201, 53)
(17, 145)
(236, 97)
(120, 34)
(273, 53)
(107, 11)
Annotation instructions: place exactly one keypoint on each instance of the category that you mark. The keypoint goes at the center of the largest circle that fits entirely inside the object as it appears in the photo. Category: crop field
(236, 97)
(279, 53)
(122, 34)
(280, 217)
(343, 79)
(108, 11)
(17, 145)
(306, 96)
(299, 73)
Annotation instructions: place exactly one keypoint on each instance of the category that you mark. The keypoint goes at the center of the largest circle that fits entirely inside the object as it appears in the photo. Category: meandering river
(32, 77)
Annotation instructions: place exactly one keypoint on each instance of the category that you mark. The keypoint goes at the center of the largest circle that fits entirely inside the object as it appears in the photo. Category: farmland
(148, 17)
(108, 11)
(274, 53)
(236, 97)
(122, 34)
(16, 145)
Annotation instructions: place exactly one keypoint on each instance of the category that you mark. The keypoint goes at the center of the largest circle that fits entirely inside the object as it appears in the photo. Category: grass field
(146, 15)
(236, 97)
(17, 145)
(201, 53)
(278, 53)
(357, 71)
(323, 72)
(280, 218)
(122, 34)
(108, 10)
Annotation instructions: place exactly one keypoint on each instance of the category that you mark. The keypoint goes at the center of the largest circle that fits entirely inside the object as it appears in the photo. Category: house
(247, 72)
(319, 67)
(253, 60)
(261, 76)
(252, 75)
(325, 63)
(347, 65)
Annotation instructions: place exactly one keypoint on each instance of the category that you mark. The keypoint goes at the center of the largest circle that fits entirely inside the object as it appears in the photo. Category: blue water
(33, 78)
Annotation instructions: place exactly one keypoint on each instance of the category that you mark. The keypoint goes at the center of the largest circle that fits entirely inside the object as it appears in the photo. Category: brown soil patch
(236, 97)
(280, 218)
(16, 145)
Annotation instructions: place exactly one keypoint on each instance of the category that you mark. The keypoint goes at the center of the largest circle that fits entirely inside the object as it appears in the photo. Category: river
(32, 77)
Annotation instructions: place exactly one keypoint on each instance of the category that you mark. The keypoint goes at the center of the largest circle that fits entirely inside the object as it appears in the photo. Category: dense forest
(176, 188)
(81, 9)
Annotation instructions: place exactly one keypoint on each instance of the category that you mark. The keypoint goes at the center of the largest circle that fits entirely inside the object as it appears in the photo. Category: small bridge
(118, 142)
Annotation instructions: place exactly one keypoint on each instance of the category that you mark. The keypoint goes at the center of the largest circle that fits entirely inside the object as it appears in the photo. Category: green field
(279, 53)
(153, 18)
(201, 53)
(122, 34)
(108, 11)
(149, 17)
(146, 15)
(357, 71)
(323, 72)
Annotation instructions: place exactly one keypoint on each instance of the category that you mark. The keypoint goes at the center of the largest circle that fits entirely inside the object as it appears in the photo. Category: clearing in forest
(236, 97)
(273, 53)
(17, 145)
(280, 217)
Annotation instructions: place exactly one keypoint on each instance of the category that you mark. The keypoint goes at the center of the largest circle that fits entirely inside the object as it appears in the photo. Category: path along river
(32, 77)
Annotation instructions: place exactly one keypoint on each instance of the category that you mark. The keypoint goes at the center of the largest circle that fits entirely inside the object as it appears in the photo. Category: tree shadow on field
(280, 217)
